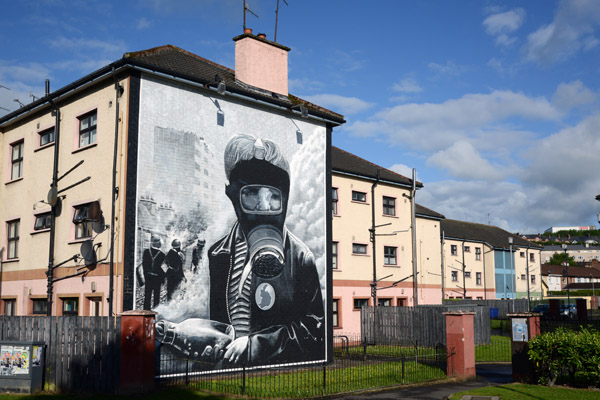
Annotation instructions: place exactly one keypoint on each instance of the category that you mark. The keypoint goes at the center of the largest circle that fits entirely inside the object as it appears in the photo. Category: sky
(496, 104)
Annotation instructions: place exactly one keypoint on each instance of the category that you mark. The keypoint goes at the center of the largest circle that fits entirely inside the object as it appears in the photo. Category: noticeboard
(519, 330)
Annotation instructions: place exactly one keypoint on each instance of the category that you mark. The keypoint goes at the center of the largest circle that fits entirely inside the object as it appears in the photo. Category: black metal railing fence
(356, 365)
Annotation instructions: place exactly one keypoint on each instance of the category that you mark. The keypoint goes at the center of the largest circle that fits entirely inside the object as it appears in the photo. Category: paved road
(487, 375)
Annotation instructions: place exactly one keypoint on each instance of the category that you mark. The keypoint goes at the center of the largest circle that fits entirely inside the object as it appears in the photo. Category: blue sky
(495, 103)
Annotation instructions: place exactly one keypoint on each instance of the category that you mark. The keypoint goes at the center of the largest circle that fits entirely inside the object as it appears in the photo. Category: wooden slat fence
(504, 306)
(82, 353)
(421, 325)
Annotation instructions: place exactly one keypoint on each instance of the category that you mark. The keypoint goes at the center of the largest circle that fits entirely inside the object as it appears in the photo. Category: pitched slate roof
(344, 162)
(493, 235)
(574, 271)
(173, 61)
(426, 212)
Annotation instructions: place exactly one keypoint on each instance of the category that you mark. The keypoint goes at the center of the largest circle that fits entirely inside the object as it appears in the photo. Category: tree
(559, 259)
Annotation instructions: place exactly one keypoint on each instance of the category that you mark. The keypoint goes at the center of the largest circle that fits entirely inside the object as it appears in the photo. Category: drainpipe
(372, 231)
(443, 274)
(414, 237)
(464, 268)
(115, 194)
(527, 271)
(53, 188)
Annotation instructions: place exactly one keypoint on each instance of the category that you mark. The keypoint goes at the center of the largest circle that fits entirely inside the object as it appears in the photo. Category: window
(10, 307)
(83, 217)
(95, 304)
(454, 276)
(522, 254)
(532, 257)
(389, 205)
(334, 201)
(334, 255)
(87, 129)
(389, 255)
(523, 277)
(12, 235)
(454, 249)
(40, 306)
(70, 306)
(359, 248)
(336, 313)
(478, 278)
(16, 158)
(360, 303)
(477, 253)
(359, 196)
(46, 136)
(42, 221)
(467, 249)
(467, 274)
(384, 302)
(533, 279)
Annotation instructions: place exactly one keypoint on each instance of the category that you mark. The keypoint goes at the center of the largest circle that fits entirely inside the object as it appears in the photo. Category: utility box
(21, 366)
(524, 327)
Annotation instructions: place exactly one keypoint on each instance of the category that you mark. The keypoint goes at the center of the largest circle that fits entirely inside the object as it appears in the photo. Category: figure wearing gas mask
(264, 285)
(263, 280)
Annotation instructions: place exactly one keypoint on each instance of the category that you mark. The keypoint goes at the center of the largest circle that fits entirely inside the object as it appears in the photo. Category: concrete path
(487, 375)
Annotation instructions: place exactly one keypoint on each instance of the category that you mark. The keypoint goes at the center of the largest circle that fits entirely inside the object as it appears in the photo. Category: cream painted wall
(20, 199)
(429, 261)
(473, 265)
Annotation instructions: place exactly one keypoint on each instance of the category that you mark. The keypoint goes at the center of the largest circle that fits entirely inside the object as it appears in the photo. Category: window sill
(336, 269)
(13, 181)
(337, 215)
(10, 260)
(337, 327)
(391, 265)
(361, 255)
(390, 216)
(359, 202)
(89, 146)
(78, 241)
(39, 231)
(44, 147)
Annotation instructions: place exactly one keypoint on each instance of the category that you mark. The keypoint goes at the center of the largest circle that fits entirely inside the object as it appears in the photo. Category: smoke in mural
(230, 248)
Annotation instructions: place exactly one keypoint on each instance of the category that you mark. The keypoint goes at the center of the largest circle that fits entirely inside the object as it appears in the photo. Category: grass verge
(497, 351)
(517, 391)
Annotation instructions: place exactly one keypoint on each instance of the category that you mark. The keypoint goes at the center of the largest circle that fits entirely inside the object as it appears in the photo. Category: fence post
(402, 359)
(365, 349)
(137, 351)
(324, 377)
(244, 380)
(460, 339)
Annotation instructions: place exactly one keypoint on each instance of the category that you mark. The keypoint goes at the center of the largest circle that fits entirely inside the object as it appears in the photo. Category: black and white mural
(230, 229)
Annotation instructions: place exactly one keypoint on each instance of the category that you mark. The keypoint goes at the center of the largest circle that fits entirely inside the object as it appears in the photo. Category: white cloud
(407, 85)
(402, 169)
(555, 186)
(462, 160)
(450, 68)
(86, 45)
(27, 72)
(435, 126)
(142, 24)
(505, 22)
(501, 25)
(572, 94)
(572, 30)
(341, 104)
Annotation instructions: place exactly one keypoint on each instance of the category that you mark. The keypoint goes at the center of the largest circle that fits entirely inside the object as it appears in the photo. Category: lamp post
(564, 246)
(512, 284)
(593, 290)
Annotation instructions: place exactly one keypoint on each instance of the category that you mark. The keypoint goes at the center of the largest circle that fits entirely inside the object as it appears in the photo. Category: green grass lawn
(517, 391)
(497, 351)
(302, 384)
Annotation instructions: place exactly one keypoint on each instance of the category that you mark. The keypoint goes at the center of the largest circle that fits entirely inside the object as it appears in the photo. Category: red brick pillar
(460, 344)
(522, 368)
(137, 351)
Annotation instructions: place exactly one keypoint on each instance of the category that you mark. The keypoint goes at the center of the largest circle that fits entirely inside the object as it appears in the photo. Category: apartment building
(366, 195)
(134, 155)
(486, 262)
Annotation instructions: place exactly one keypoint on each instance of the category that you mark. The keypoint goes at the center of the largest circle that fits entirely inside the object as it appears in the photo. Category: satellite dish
(89, 254)
(52, 196)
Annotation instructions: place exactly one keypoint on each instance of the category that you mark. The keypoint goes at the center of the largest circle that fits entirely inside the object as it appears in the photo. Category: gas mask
(259, 193)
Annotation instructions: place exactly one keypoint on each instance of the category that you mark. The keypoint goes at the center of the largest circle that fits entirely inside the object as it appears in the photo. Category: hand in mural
(212, 354)
(236, 350)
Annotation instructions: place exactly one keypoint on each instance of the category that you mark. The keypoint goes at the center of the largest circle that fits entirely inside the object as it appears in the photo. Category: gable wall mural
(231, 229)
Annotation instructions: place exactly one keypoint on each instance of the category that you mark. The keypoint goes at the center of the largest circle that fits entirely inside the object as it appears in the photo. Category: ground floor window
(336, 313)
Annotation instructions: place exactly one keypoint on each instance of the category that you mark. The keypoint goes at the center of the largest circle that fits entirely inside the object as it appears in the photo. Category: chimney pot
(262, 35)
(248, 30)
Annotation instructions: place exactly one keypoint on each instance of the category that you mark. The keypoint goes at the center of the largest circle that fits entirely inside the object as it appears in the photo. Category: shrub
(564, 353)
